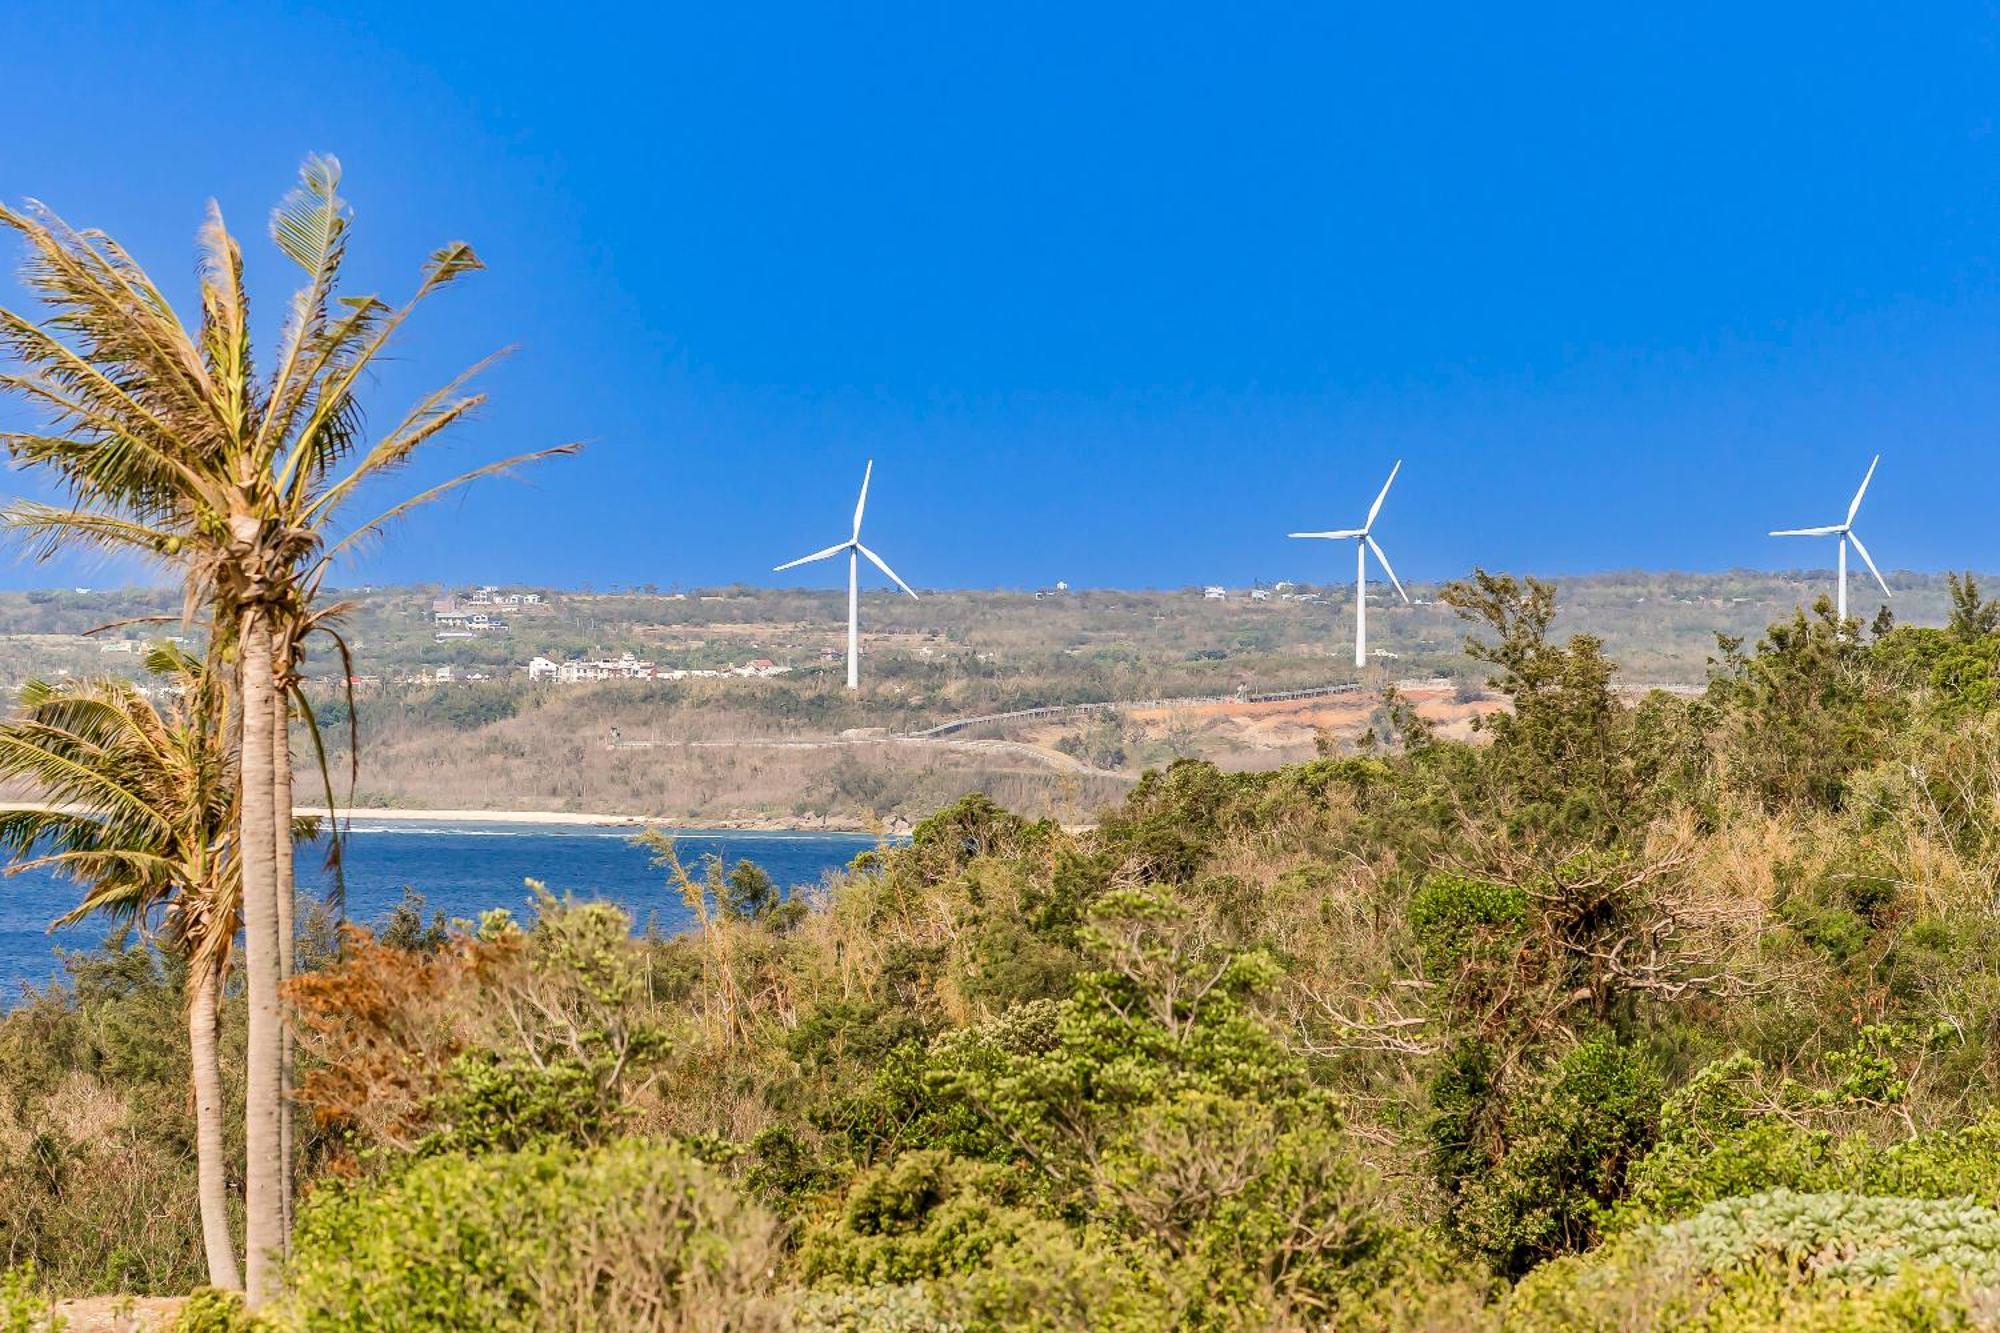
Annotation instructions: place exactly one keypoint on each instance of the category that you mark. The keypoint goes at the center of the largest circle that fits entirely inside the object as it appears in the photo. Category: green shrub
(1717, 1143)
(1925, 1301)
(1944, 1164)
(1565, 1297)
(498, 1103)
(213, 1310)
(24, 1306)
(899, 1309)
(632, 1235)
(1452, 915)
(924, 1215)
(1755, 1262)
(1678, 1178)
(947, 1229)
(749, 893)
(1566, 1144)
(1262, 1209)
(1144, 1153)
(97, 1182)
(1839, 1236)
(1061, 1278)
(970, 828)
(784, 1172)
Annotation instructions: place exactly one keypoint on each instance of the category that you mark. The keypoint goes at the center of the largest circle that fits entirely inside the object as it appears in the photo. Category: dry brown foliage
(379, 1028)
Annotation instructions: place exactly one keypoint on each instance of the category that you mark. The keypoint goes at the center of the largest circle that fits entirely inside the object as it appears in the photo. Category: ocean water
(460, 869)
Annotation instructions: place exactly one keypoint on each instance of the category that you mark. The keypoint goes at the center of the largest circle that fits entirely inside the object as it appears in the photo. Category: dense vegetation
(1672, 1012)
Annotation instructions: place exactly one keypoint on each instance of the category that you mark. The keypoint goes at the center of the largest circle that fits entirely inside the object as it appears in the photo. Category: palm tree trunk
(211, 1167)
(264, 1174)
(281, 800)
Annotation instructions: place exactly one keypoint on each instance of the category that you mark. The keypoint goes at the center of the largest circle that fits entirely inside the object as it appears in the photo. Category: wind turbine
(1363, 544)
(1845, 531)
(855, 550)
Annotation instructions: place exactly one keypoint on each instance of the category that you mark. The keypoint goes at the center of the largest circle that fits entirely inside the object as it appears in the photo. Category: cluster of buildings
(1284, 590)
(627, 667)
(481, 611)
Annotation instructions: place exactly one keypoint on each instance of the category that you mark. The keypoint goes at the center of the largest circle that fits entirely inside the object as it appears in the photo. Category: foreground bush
(214, 1310)
(634, 1235)
(24, 1308)
(1724, 1137)
(97, 1181)
(1780, 1259)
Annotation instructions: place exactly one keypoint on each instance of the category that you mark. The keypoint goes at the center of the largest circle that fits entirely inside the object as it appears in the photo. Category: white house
(624, 667)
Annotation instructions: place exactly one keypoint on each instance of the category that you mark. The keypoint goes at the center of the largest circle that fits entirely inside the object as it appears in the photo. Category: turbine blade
(1863, 551)
(1376, 508)
(1855, 508)
(1387, 568)
(816, 555)
(882, 565)
(1826, 531)
(862, 503)
(1344, 532)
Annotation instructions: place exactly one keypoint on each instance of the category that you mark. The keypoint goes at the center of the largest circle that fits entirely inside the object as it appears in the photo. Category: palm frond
(225, 325)
(328, 429)
(48, 528)
(310, 226)
(140, 802)
(424, 497)
(436, 412)
(105, 442)
(121, 324)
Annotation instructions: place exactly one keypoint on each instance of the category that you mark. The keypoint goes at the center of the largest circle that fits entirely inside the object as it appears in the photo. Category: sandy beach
(398, 816)
(747, 823)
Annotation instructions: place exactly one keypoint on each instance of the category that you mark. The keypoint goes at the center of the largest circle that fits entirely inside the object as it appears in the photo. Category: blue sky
(1113, 294)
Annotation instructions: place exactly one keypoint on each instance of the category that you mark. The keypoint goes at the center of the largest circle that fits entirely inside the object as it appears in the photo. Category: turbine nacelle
(1844, 530)
(853, 543)
(1364, 534)
(1364, 543)
(855, 553)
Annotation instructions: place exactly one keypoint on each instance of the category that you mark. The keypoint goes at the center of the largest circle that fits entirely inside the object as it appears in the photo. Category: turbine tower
(1363, 544)
(855, 550)
(1844, 530)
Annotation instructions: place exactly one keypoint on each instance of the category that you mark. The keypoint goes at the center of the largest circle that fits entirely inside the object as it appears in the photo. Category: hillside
(795, 747)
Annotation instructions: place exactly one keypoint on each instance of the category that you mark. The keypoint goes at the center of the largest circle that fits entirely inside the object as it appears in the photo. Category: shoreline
(737, 824)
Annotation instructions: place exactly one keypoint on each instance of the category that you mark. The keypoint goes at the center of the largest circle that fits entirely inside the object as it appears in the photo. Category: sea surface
(460, 869)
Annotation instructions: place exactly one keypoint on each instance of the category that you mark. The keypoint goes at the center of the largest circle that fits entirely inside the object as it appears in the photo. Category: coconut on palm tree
(140, 809)
(169, 442)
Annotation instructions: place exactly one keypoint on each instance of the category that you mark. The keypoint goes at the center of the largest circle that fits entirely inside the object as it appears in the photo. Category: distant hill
(450, 718)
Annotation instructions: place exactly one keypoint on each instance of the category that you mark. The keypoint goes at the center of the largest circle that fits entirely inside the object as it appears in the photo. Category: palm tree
(169, 443)
(141, 810)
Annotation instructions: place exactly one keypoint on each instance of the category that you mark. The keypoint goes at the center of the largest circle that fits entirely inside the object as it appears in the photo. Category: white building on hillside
(623, 667)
